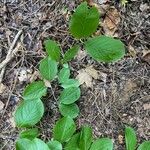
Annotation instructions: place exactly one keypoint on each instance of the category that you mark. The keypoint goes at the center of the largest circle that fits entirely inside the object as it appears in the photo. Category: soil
(109, 105)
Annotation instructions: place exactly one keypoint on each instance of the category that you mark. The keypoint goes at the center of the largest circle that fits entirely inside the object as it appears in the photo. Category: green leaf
(70, 95)
(29, 113)
(130, 138)
(54, 145)
(35, 144)
(84, 21)
(144, 146)
(29, 134)
(85, 138)
(48, 68)
(35, 90)
(105, 49)
(70, 83)
(72, 144)
(64, 75)
(52, 49)
(64, 129)
(70, 54)
(71, 110)
(102, 144)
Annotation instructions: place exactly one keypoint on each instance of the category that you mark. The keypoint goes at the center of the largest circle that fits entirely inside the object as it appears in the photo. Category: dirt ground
(119, 97)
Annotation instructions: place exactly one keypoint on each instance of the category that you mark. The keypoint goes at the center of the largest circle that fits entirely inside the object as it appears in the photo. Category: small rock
(146, 106)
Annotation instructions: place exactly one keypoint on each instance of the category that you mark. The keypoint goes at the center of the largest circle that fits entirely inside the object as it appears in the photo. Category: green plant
(83, 24)
(131, 141)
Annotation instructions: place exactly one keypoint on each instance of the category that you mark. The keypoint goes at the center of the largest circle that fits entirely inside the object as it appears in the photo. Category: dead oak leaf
(111, 21)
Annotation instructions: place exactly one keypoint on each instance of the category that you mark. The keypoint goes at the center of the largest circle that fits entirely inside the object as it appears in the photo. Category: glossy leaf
(29, 134)
(71, 53)
(102, 144)
(71, 110)
(130, 138)
(35, 90)
(144, 146)
(85, 138)
(84, 21)
(52, 49)
(48, 68)
(54, 145)
(105, 49)
(70, 83)
(29, 113)
(70, 95)
(64, 75)
(73, 143)
(35, 144)
(64, 129)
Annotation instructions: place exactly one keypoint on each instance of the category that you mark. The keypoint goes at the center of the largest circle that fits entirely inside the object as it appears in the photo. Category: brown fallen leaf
(84, 77)
(146, 56)
(2, 88)
(111, 22)
(146, 106)
(92, 72)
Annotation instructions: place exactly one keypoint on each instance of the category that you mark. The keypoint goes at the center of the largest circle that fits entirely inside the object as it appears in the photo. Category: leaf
(64, 74)
(84, 21)
(54, 145)
(35, 90)
(102, 144)
(52, 49)
(64, 129)
(29, 134)
(105, 49)
(130, 138)
(29, 113)
(35, 144)
(70, 83)
(72, 144)
(70, 54)
(85, 138)
(48, 68)
(144, 146)
(71, 110)
(70, 95)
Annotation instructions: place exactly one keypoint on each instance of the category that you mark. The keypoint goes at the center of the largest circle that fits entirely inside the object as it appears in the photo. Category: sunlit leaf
(54, 145)
(105, 49)
(84, 21)
(144, 146)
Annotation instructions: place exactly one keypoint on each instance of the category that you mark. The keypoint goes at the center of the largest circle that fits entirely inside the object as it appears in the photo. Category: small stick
(10, 51)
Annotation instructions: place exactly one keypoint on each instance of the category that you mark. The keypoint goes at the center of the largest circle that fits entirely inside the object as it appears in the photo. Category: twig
(10, 53)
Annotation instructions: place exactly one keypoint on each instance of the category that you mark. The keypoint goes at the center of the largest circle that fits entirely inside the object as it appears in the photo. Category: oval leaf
(70, 95)
(102, 144)
(85, 138)
(29, 134)
(70, 54)
(70, 83)
(64, 129)
(64, 75)
(35, 144)
(35, 90)
(144, 146)
(84, 21)
(52, 49)
(29, 113)
(54, 145)
(105, 49)
(48, 68)
(130, 138)
(71, 110)
(73, 143)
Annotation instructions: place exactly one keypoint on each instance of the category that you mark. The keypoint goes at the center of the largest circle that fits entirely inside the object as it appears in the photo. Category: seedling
(83, 24)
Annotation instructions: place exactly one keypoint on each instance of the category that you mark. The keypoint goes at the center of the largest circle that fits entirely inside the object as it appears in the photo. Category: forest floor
(119, 95)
